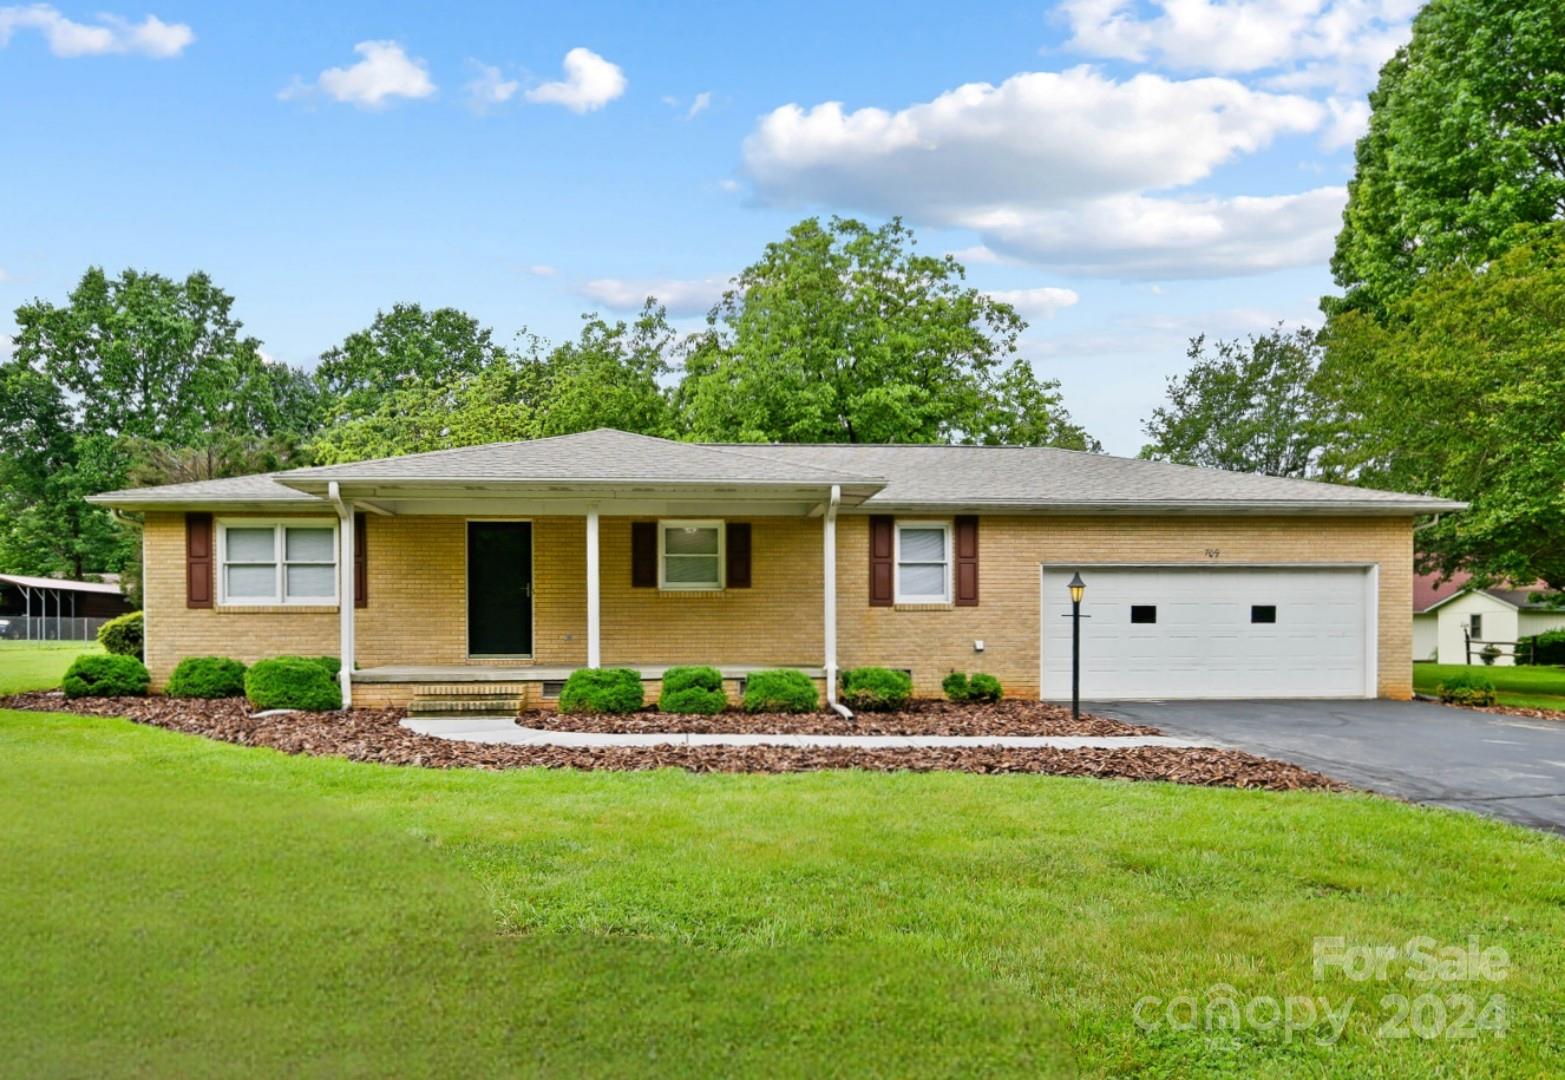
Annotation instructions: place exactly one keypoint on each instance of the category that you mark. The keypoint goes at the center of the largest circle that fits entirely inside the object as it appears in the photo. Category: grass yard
(1525, 687)
(176, 906)
(38, 665)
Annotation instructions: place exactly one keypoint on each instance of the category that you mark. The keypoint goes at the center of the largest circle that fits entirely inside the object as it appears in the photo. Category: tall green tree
(1466, 143)
(844, 333)
(1460, 392)
(406, 348)
(1249, 406)
(610, 376)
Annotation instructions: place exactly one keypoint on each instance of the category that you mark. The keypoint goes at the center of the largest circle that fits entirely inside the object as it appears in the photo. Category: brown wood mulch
(375, 735)
(1008, 717)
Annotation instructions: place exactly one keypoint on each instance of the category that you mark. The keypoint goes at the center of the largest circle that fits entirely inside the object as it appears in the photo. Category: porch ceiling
(574, 498)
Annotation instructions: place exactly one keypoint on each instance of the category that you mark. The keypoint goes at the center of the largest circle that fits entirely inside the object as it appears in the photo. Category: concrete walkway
(505, 730)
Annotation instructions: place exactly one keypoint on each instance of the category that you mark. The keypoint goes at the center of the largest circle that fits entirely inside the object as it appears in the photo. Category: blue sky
(1128, 172)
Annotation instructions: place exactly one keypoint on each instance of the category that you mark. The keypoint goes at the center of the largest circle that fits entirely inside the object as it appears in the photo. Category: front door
(499, 588)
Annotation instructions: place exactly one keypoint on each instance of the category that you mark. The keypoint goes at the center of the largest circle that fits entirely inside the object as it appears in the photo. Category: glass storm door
(499, 588)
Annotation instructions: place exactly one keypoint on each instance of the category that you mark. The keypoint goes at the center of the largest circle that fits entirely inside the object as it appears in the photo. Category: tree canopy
(1249, 406)
(1466, 144)
(843, 333)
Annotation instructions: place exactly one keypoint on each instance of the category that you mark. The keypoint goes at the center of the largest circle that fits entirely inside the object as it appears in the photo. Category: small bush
(100, 675)
(1466, 688)
(783, 690)
(292, 682)
(956, 686)
(875, 689)
(207, 677)
(984, 687)
(1490, 654)
(602, 690)
(124, 636)
(692, 690)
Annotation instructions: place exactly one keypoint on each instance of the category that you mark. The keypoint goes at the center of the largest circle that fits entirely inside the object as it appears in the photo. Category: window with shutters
(277, 562)
(923, 557)
(690, 555)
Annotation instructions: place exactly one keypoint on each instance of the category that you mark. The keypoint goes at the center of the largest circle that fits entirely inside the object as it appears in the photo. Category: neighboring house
(1443, 610)
(53, 608)
(503, 567)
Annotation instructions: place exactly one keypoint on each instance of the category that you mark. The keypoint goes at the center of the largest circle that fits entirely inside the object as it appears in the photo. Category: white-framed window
(923, 554)
(691, 554)
(277, 562)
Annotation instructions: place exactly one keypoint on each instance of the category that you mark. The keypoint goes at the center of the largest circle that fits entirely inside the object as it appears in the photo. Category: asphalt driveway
(1507, 767)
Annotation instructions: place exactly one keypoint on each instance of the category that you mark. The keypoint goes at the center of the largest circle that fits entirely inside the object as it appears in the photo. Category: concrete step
(472, 704)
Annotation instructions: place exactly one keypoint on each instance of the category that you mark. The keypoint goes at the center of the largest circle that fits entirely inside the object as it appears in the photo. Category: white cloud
(680, 296)
(1039, 303)
(1332, 43)
(699, 104)
(1349, 120)
(1036, 139)
(728, 184)
(110, 34)
(590, 82)
(489, 88)
(977, 253)
(1145, 238)
(542, 270)
(384, 73)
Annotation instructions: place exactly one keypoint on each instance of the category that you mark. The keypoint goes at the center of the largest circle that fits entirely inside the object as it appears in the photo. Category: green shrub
(124, 636)
(692, 699)
(783, 690)
(692, 690)
(105, 675)
(984, 687)
(332, 664)
(602, 690)
(876, 689)
(956, 686)
(1548, 648)
(207, 677)
(292, 682)
(1466, 688)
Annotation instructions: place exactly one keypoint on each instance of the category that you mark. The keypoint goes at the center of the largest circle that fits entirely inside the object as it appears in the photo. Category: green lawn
(1526, 687)
(175, 906)
(38, 665)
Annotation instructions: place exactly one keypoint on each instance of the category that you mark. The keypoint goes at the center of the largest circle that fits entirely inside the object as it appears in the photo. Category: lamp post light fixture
(1078, 589)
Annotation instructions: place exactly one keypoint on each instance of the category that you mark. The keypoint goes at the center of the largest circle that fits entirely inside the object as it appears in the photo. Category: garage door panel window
(1143, 613)
(1263, 613)
(923, 562)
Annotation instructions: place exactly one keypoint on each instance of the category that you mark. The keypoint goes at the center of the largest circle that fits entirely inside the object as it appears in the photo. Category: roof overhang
(1194, 508)
(152, 501)
(564, 491)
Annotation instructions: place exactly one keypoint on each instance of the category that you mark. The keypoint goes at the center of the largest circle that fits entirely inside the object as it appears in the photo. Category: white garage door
(1167, 632)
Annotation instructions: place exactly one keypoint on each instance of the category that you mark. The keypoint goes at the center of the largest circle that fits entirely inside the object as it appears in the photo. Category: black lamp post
(1077, 588)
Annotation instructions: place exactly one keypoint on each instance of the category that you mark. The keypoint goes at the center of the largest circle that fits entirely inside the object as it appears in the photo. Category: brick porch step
(472, 703)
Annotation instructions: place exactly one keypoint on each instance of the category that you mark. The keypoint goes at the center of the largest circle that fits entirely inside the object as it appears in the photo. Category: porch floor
(527, 673)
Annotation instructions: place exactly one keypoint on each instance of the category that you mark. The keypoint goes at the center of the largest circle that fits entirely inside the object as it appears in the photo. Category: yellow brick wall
(934, 641)
(417, 584)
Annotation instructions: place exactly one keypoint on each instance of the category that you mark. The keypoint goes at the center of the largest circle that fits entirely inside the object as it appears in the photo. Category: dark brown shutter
(644, 554)
(738, 543)
(198, 560)
(967, 562)
(882, 547)
(361, 562)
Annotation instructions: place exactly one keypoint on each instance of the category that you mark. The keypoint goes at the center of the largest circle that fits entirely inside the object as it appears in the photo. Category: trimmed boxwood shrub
(876, 689)
(332, 664)
(292, 682)
(961, 687)
(602, 690)
(1548, 648)
(105, 675)
(1466, 688)
(207, 677)
(692, 690)
(124, 636)
(782, 690)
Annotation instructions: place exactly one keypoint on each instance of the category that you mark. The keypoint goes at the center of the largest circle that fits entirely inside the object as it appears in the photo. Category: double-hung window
(690, 555)
(284, 562)
(923, 562)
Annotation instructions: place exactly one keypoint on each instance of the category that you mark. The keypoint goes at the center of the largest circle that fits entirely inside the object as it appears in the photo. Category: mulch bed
(375, 735)
(1010, 717)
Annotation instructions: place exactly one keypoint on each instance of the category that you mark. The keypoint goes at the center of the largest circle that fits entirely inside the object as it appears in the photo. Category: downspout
(829, 573)
(345, 596)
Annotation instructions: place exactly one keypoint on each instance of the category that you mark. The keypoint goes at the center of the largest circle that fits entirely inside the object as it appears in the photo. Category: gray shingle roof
(994, 477)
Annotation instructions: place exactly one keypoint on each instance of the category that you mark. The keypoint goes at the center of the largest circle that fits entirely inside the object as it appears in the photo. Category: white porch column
(345, 591)
(829, 607)
(594, 655)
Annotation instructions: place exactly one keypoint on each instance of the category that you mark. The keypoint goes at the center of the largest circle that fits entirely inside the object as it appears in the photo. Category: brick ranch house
(498, 569)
